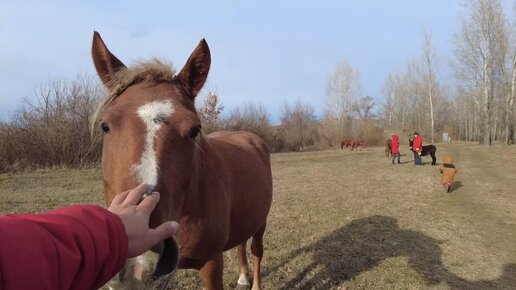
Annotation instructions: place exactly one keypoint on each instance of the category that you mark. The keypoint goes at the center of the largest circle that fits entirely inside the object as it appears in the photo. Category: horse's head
(151, 128)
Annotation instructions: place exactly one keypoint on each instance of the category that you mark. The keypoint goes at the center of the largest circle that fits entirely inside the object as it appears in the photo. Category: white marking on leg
(153, 115)
(242, 280)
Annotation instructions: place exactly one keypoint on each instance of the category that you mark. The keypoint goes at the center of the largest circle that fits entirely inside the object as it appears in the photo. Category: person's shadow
(363, 244)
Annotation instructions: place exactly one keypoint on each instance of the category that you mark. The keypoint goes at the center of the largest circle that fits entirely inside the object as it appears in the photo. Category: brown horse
(358, 143)
(218, 187)
(347, 142)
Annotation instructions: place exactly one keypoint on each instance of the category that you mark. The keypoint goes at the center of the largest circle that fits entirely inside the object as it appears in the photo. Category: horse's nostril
(149, 188)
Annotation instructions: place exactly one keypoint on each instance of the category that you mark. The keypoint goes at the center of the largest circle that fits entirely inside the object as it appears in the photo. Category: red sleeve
(75, 247)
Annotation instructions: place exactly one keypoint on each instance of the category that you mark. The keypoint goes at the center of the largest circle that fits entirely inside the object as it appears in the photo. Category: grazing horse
(388, 148)
(358, 143)
(218, 187)
(427, 150)
(348, 142)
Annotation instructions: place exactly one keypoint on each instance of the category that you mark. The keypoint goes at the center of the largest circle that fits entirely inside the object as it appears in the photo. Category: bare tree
(248, 117)
(429, 65)
(298, 126)
(342, 89)
(210, 112)
(53, 128)
(395, 91)
(480, 48)
(509, 115)
(364, 107)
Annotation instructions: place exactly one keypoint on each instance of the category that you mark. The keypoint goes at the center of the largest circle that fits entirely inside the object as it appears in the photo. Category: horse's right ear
(105, 62)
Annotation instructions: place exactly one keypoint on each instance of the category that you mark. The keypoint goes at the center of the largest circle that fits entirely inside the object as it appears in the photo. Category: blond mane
(154, 71)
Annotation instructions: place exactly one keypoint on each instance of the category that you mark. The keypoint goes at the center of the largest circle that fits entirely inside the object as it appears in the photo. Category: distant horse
(388, 148)
(358, 143)
(348, 142)
(427, 150)
(218, 187)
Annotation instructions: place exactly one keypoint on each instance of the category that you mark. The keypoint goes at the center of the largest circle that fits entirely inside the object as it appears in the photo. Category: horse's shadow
(363, 244)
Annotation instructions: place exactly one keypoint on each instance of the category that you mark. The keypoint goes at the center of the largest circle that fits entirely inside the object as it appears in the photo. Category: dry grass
(352, 220)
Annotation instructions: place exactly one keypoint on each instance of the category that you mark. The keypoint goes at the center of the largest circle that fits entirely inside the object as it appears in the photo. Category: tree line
(52, 129)
(477, 104)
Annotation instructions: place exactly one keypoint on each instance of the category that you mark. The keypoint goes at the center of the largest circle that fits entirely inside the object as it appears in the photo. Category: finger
(149, 203)
(136, 194)
(119, 198)
(165, 230)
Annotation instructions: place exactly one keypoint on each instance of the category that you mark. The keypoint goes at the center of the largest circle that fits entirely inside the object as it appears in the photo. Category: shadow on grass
(457, 185)
(364, 243)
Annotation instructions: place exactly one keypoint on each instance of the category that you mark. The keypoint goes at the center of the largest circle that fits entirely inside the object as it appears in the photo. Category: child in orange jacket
(448, 171)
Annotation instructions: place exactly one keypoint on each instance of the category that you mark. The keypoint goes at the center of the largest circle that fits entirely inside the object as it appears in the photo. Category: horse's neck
(202, 184)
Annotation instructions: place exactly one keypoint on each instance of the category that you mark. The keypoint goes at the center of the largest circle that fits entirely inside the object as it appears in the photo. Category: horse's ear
(105, 62)
(194, 73)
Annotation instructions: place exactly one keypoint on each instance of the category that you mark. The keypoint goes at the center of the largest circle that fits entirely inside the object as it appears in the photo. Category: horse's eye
(160, 119)
(105, 127)
(194, 132)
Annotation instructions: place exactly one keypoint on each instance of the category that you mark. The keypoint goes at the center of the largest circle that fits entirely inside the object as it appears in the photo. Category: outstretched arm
(77, 247)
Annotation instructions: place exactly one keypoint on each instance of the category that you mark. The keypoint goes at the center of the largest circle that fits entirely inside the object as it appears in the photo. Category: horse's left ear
(194, 73)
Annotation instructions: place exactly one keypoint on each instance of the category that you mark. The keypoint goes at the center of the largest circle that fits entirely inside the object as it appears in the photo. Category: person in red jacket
(417, 148)
(395, 148)
(77, 247)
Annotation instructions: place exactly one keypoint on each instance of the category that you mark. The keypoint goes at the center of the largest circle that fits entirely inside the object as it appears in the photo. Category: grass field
(352, 220)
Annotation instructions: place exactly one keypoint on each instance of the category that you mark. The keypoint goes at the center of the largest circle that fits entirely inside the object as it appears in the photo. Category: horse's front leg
(243, 279)
(211, 273)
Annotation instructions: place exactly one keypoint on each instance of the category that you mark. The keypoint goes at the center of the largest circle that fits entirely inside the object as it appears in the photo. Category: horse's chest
(200, 237)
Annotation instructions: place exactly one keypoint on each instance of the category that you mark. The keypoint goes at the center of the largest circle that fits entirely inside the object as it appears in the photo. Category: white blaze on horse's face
(153, 115)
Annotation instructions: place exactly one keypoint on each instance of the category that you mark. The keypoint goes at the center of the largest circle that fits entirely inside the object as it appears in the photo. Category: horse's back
(243, 140)
(242, 151)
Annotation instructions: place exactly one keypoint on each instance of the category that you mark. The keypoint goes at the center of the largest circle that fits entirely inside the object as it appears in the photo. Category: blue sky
(262, 51)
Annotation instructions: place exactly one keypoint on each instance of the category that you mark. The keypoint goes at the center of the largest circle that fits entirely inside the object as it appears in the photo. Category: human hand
(134, 213)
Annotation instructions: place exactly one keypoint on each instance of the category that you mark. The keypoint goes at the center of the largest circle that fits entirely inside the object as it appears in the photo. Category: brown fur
(447, 174)
(358, 143)
(153, 71)
(218, 187)
(347, 142)
(352, 144)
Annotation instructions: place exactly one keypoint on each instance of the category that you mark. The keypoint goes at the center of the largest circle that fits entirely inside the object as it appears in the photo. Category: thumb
(165, 230)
